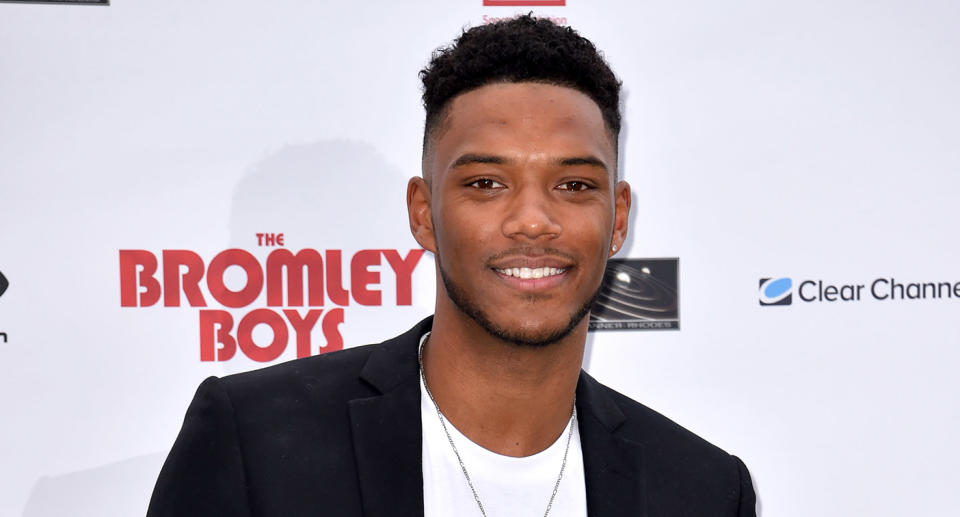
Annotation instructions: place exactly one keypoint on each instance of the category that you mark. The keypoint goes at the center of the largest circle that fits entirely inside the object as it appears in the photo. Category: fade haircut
(521, 49)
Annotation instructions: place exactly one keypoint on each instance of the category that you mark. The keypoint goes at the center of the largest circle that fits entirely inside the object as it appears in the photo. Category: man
(482, 409)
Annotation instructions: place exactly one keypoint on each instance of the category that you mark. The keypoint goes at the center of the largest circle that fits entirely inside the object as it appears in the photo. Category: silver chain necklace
(563, 466)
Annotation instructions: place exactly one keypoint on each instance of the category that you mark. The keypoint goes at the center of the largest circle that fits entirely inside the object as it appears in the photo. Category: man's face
(523, 208)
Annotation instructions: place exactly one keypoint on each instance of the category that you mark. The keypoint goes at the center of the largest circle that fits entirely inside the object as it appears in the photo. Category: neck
(510, 399)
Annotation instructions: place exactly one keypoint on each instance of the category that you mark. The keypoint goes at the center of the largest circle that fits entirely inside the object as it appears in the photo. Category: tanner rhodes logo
(638, 294)
(303, 289)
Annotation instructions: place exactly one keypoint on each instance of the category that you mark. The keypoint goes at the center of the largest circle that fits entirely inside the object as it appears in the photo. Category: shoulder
(652, 428)
(684, 474)
(682, 462)
(635, 422)
(331, 373)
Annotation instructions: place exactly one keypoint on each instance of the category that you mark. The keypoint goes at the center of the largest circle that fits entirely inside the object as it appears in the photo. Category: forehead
(520, 120)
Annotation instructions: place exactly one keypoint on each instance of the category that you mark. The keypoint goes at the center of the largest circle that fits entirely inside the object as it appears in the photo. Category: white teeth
(526, 272)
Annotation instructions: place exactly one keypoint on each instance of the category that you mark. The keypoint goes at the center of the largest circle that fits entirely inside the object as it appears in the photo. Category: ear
(621, 216)
(420, 212)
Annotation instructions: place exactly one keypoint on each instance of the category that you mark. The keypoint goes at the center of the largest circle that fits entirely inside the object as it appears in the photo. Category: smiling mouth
(531, 272)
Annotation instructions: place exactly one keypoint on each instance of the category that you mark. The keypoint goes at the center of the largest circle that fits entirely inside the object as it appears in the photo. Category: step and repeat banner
(790, 290)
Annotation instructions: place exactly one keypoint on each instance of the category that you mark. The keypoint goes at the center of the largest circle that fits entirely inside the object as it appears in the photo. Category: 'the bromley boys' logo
(304, 290)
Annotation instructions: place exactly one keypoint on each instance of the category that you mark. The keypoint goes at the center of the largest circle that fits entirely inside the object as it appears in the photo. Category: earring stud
(614, 247)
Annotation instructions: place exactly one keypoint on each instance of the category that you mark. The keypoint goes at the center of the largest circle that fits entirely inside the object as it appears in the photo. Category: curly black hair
(521, 49)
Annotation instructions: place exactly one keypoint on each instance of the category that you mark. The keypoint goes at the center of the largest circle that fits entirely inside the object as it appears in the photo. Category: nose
(530, 214)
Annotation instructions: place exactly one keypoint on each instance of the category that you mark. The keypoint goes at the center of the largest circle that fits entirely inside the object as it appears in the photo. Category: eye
(574, 186)
(485, 184)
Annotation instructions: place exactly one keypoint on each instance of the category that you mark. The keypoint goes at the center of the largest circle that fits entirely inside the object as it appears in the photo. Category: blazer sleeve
(204, 472)
(748, 498)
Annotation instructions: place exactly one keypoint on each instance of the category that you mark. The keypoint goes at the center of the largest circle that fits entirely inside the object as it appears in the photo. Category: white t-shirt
(507, 486)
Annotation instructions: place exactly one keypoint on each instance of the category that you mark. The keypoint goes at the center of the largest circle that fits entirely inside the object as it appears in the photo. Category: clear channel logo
(781, 291)
(776, 291)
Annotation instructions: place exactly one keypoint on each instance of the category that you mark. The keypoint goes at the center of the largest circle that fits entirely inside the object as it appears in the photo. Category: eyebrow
(584, 160)
(471, 158)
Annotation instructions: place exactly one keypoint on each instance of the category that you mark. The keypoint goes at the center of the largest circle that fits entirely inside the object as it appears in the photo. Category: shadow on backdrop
(330, 194)
(121, 488)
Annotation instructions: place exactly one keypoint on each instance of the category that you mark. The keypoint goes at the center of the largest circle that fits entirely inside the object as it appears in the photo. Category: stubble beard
(524, 339)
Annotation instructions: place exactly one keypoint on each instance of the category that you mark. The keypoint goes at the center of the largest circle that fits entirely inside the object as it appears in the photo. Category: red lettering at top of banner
(182, 272)
(529, 3)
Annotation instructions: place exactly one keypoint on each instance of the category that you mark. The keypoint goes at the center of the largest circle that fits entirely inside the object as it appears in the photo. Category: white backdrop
(808, 140)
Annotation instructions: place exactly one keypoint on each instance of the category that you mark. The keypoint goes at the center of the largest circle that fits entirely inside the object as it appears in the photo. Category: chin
(519, 333)
(527, 337)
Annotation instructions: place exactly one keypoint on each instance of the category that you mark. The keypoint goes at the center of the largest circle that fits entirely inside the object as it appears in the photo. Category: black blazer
(339, 435)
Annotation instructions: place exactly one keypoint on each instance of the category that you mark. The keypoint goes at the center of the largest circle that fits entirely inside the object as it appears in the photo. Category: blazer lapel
(387, 431)
(612, 465)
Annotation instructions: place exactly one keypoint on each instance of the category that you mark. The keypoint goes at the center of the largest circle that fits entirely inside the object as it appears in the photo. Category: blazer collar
(387, 438)
(612, 465)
